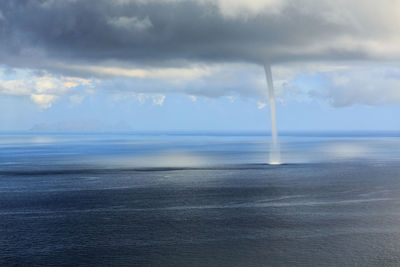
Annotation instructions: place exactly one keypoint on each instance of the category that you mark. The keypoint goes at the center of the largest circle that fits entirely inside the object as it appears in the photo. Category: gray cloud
(371, 86)
(181, 46)
(41, 33)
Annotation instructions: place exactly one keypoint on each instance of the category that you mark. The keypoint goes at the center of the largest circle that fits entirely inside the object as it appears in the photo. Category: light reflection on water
(188, 150)
(198, 200)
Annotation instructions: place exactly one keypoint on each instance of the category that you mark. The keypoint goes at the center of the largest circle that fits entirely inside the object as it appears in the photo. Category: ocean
(199, 199)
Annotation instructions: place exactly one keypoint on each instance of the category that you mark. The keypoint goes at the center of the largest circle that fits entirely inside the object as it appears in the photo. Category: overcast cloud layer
(185, 46)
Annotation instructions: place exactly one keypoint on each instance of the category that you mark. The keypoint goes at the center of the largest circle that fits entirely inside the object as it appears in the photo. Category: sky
(198, 64)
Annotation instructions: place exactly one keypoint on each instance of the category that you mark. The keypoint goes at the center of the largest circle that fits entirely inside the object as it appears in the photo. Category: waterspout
(274, 154)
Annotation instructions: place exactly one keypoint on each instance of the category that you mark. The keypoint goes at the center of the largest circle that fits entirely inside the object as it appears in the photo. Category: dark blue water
(199, 200)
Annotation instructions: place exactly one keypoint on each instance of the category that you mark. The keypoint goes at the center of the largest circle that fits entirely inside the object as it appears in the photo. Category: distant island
(87, 125)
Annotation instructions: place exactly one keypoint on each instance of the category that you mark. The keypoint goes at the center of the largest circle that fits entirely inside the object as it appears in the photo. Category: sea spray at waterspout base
(274, 154)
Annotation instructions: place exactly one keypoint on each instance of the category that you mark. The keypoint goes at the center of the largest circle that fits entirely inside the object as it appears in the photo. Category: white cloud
(261, 105)
(108, 70)
(158, 100)
(13, 87)
(340, 85)
(141, 97)
(363, 86)
(231, 98)
(44, 101)
(42, 89)
(193, 98)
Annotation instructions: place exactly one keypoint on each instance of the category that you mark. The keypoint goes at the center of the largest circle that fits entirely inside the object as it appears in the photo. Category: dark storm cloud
(199, 47)
(39, 33)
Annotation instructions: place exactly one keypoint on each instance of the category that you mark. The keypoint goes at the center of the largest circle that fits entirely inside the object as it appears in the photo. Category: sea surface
(199, 199)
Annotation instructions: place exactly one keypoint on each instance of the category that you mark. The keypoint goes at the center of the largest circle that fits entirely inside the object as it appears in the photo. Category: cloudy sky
(197, 64)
